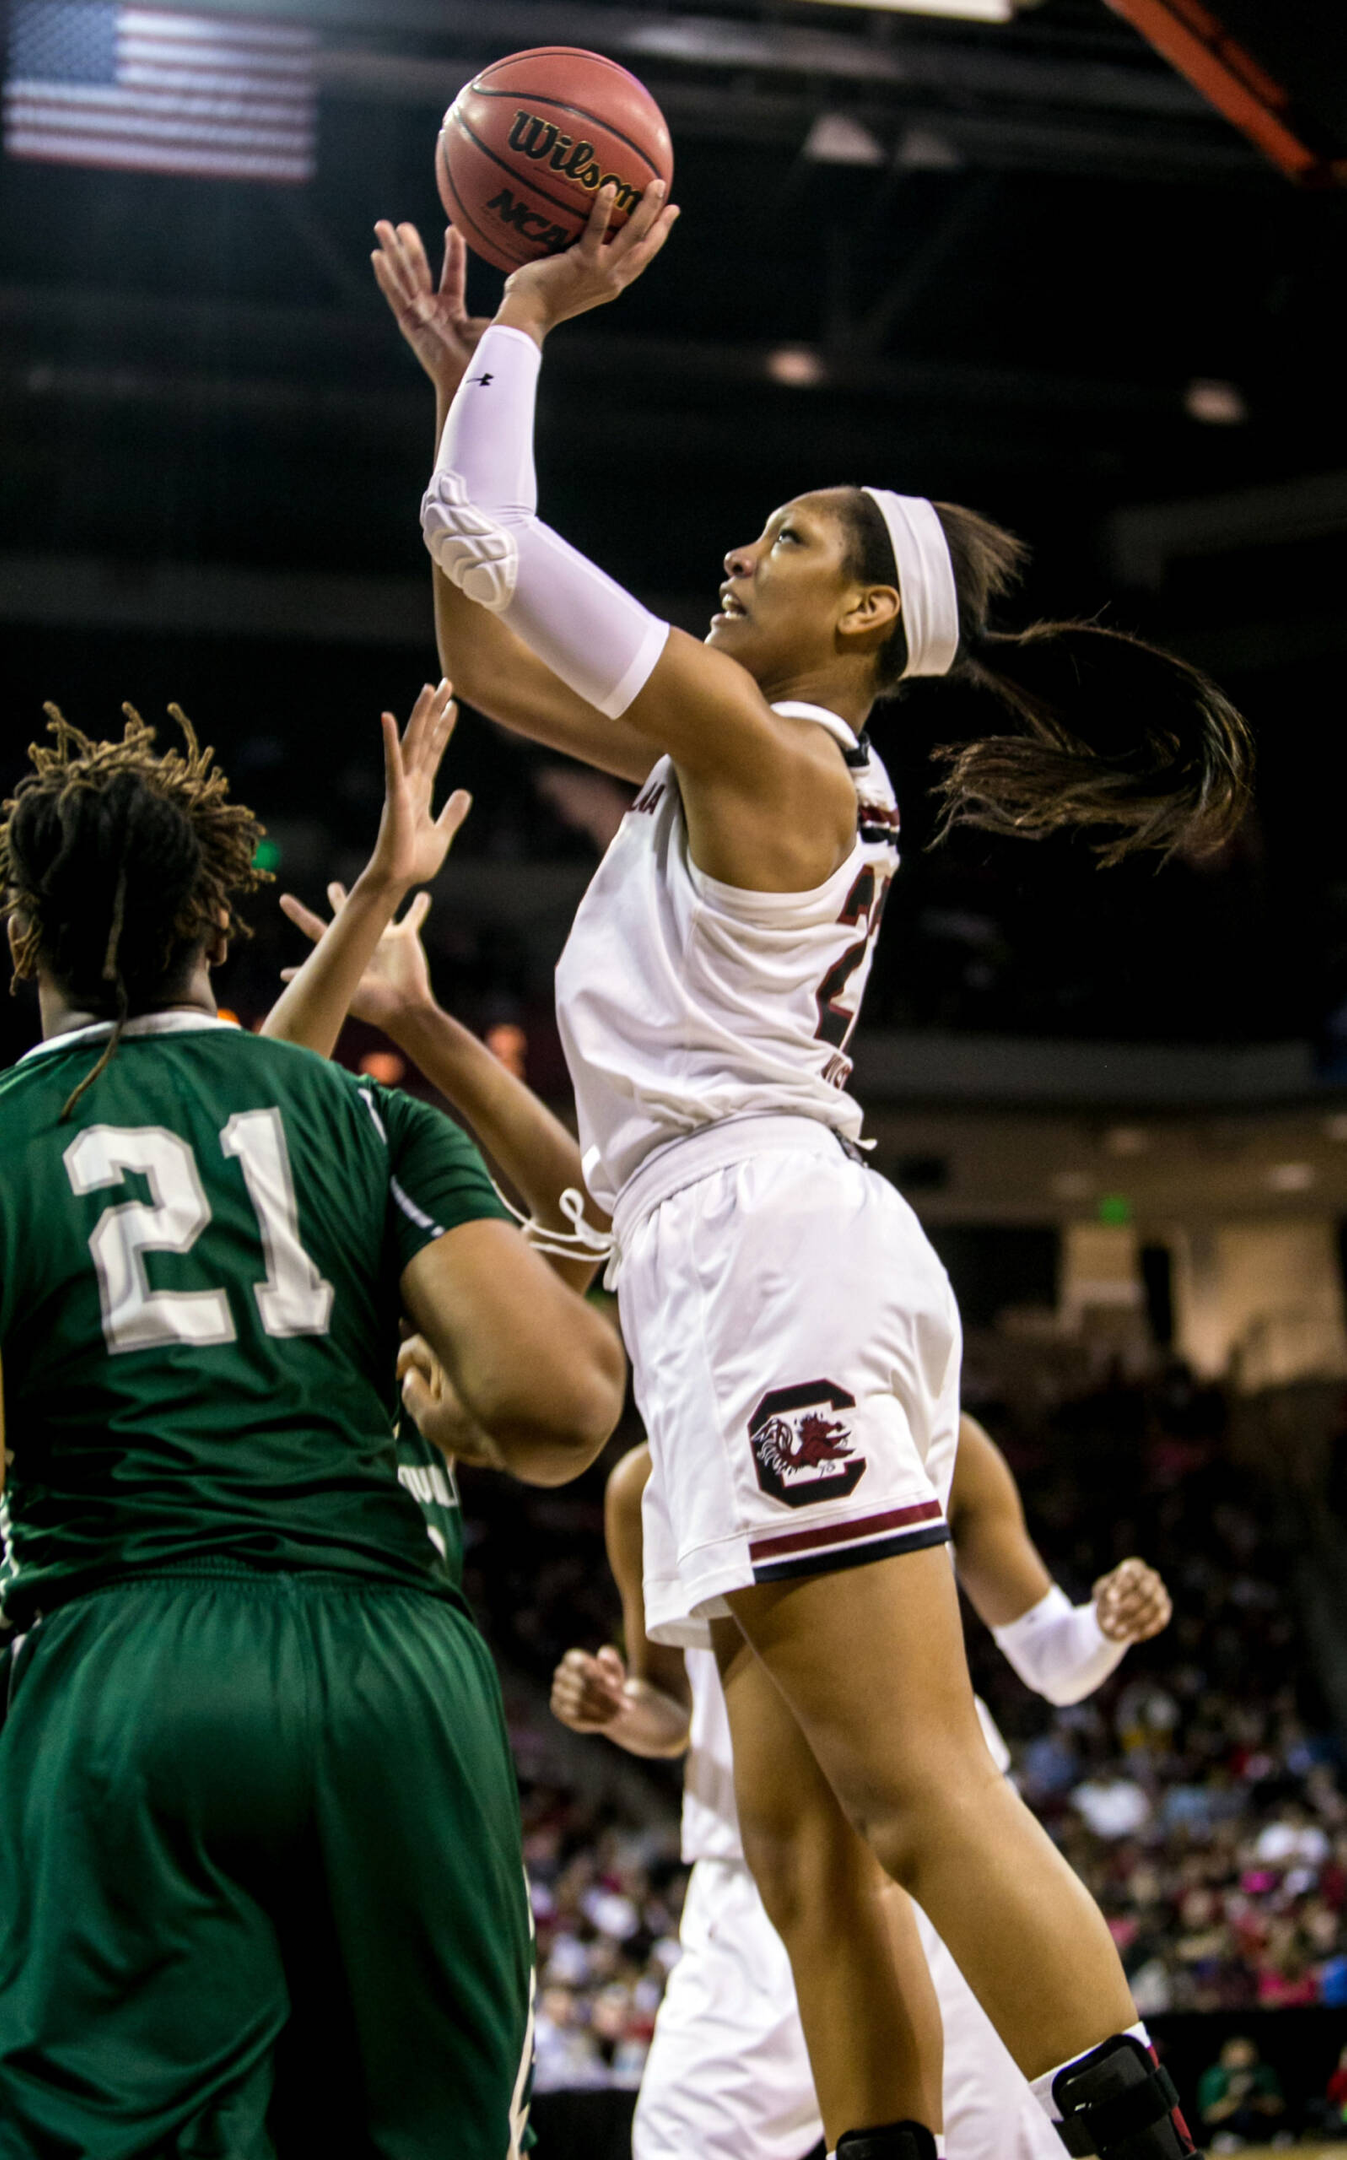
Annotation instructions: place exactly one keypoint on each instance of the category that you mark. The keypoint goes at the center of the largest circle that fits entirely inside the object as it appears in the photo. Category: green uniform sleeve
(437, 1178)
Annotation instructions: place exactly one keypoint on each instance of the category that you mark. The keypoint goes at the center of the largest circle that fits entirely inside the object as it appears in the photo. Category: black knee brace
(1120, 2103)
(889, 2141)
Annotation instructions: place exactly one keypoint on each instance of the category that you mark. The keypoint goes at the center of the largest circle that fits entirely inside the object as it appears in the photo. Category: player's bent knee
(946, 1794)
(804, 1872)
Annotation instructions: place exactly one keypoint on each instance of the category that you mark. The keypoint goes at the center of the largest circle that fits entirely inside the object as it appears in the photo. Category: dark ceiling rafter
(1096, 102)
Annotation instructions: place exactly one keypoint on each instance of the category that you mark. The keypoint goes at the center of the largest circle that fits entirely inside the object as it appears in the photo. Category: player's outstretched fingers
(599, 219)
(643, 216)
(417, 910)
(452, 817)
(303, 919)
(454, 268)
(415, 258)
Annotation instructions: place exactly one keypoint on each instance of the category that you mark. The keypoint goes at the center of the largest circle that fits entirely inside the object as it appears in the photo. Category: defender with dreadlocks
(255, 1799)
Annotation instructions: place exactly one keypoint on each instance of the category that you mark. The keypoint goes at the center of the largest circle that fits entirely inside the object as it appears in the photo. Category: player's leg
(146, 1786)
(920, 1786)
(417, 1824)
(865, 1998)
(990, 2110)
(727, 2076)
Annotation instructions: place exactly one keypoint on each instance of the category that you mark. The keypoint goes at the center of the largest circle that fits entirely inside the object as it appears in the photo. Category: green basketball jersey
(199, 1273)
(429, 1478)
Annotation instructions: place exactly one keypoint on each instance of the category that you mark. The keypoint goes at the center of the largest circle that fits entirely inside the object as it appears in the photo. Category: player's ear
(869, 620)
(216, 949)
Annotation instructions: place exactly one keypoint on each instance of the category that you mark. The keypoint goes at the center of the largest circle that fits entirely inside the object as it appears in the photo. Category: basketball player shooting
(794, 1339)
(728, 2072)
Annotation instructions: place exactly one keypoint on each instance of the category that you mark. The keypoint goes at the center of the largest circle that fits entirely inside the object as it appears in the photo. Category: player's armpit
(542, 1371)
(770, 803)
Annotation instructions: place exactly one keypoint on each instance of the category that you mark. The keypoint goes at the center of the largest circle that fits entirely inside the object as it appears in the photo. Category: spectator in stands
(1334, 2115)
(1239, 2097)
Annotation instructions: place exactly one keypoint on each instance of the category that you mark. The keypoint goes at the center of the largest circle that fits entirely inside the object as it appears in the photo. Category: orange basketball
(528, 143)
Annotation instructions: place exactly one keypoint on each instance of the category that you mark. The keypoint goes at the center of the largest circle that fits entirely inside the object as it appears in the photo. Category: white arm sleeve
(480, 521)
(1059, 1649)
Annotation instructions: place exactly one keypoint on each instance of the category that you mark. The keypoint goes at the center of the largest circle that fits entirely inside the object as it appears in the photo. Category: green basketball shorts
(261, 1887)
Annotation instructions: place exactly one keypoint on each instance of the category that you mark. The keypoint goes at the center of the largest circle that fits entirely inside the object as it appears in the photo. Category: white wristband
(479, 517)
(1059, 1649)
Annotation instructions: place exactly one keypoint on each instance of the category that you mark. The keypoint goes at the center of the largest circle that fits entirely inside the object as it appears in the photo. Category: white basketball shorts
(795, 1346)
(728, 2078)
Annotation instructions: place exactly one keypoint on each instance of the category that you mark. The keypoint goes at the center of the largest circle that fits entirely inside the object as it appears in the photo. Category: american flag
(151, 90)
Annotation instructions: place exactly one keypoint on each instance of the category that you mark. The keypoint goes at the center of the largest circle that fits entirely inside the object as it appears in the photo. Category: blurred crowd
(1200, 1793)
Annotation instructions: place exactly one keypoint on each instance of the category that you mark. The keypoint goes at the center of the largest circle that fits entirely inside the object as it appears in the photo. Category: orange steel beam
(1195, 42)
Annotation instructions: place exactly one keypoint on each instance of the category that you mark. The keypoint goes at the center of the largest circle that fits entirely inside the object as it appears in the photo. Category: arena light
(988, 11)
(1127, 1140)
(1291, 1176)
(798, 366)
(1215, 403)
(837, 139)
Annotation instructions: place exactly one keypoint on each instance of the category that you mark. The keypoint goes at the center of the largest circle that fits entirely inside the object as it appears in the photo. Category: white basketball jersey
(710, 1818)
(683, 1001)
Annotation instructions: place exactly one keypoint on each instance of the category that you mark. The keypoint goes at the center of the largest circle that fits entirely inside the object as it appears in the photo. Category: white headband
(925, 581)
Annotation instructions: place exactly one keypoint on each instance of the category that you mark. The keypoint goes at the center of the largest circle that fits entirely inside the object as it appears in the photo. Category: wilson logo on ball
(543, 141)
(528, 143)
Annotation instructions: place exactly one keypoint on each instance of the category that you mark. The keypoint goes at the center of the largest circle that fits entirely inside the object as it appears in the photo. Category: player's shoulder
(876, 802)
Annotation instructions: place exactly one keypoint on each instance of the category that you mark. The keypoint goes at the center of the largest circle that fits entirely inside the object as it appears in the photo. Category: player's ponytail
(1110, 735)
(120, 866)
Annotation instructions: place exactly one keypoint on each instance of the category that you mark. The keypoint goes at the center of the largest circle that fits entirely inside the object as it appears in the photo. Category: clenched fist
(589, 1692)
(1131, 1603)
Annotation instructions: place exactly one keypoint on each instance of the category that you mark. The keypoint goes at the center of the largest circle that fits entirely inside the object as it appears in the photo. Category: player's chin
(739, 638)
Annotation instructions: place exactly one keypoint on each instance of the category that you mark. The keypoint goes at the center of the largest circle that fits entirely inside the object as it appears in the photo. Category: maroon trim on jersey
(838, 1557)
(794, 1541)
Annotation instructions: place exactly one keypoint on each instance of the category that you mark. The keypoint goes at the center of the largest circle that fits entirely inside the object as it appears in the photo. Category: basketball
(528, 143)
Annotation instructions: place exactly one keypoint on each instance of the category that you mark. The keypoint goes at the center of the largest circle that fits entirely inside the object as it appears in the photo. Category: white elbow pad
(1059, 1649)
(480, 520)
(474, 551)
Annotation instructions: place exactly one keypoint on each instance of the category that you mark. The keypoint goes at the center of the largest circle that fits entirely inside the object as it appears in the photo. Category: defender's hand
(1131, 1603)
(433, 318)
(587, 1692)
(397, 980)
(591, 272)
(430, 1398)
(412, 843)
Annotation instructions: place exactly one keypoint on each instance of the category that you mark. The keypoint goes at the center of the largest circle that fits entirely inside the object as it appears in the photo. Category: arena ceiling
(1023, 265)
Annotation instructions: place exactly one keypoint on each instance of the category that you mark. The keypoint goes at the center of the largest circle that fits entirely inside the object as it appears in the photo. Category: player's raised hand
(588, 1693)
(594, 270)
(432, 317)
(412, 842)
(397, 979)
(1131, 1603)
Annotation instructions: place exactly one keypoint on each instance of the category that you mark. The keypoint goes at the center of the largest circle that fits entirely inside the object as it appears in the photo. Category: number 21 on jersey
(292, 1299)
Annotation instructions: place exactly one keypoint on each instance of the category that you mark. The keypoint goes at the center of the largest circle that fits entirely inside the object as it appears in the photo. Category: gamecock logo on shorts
(800, 1449)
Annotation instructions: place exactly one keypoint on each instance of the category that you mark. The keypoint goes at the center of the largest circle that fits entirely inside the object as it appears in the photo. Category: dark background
(212, 445)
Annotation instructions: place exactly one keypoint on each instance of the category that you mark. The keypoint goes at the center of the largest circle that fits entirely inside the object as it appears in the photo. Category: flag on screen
(152, 90)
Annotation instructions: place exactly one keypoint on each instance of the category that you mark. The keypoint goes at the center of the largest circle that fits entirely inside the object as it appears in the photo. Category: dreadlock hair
(120, 866)
(1112, 737)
